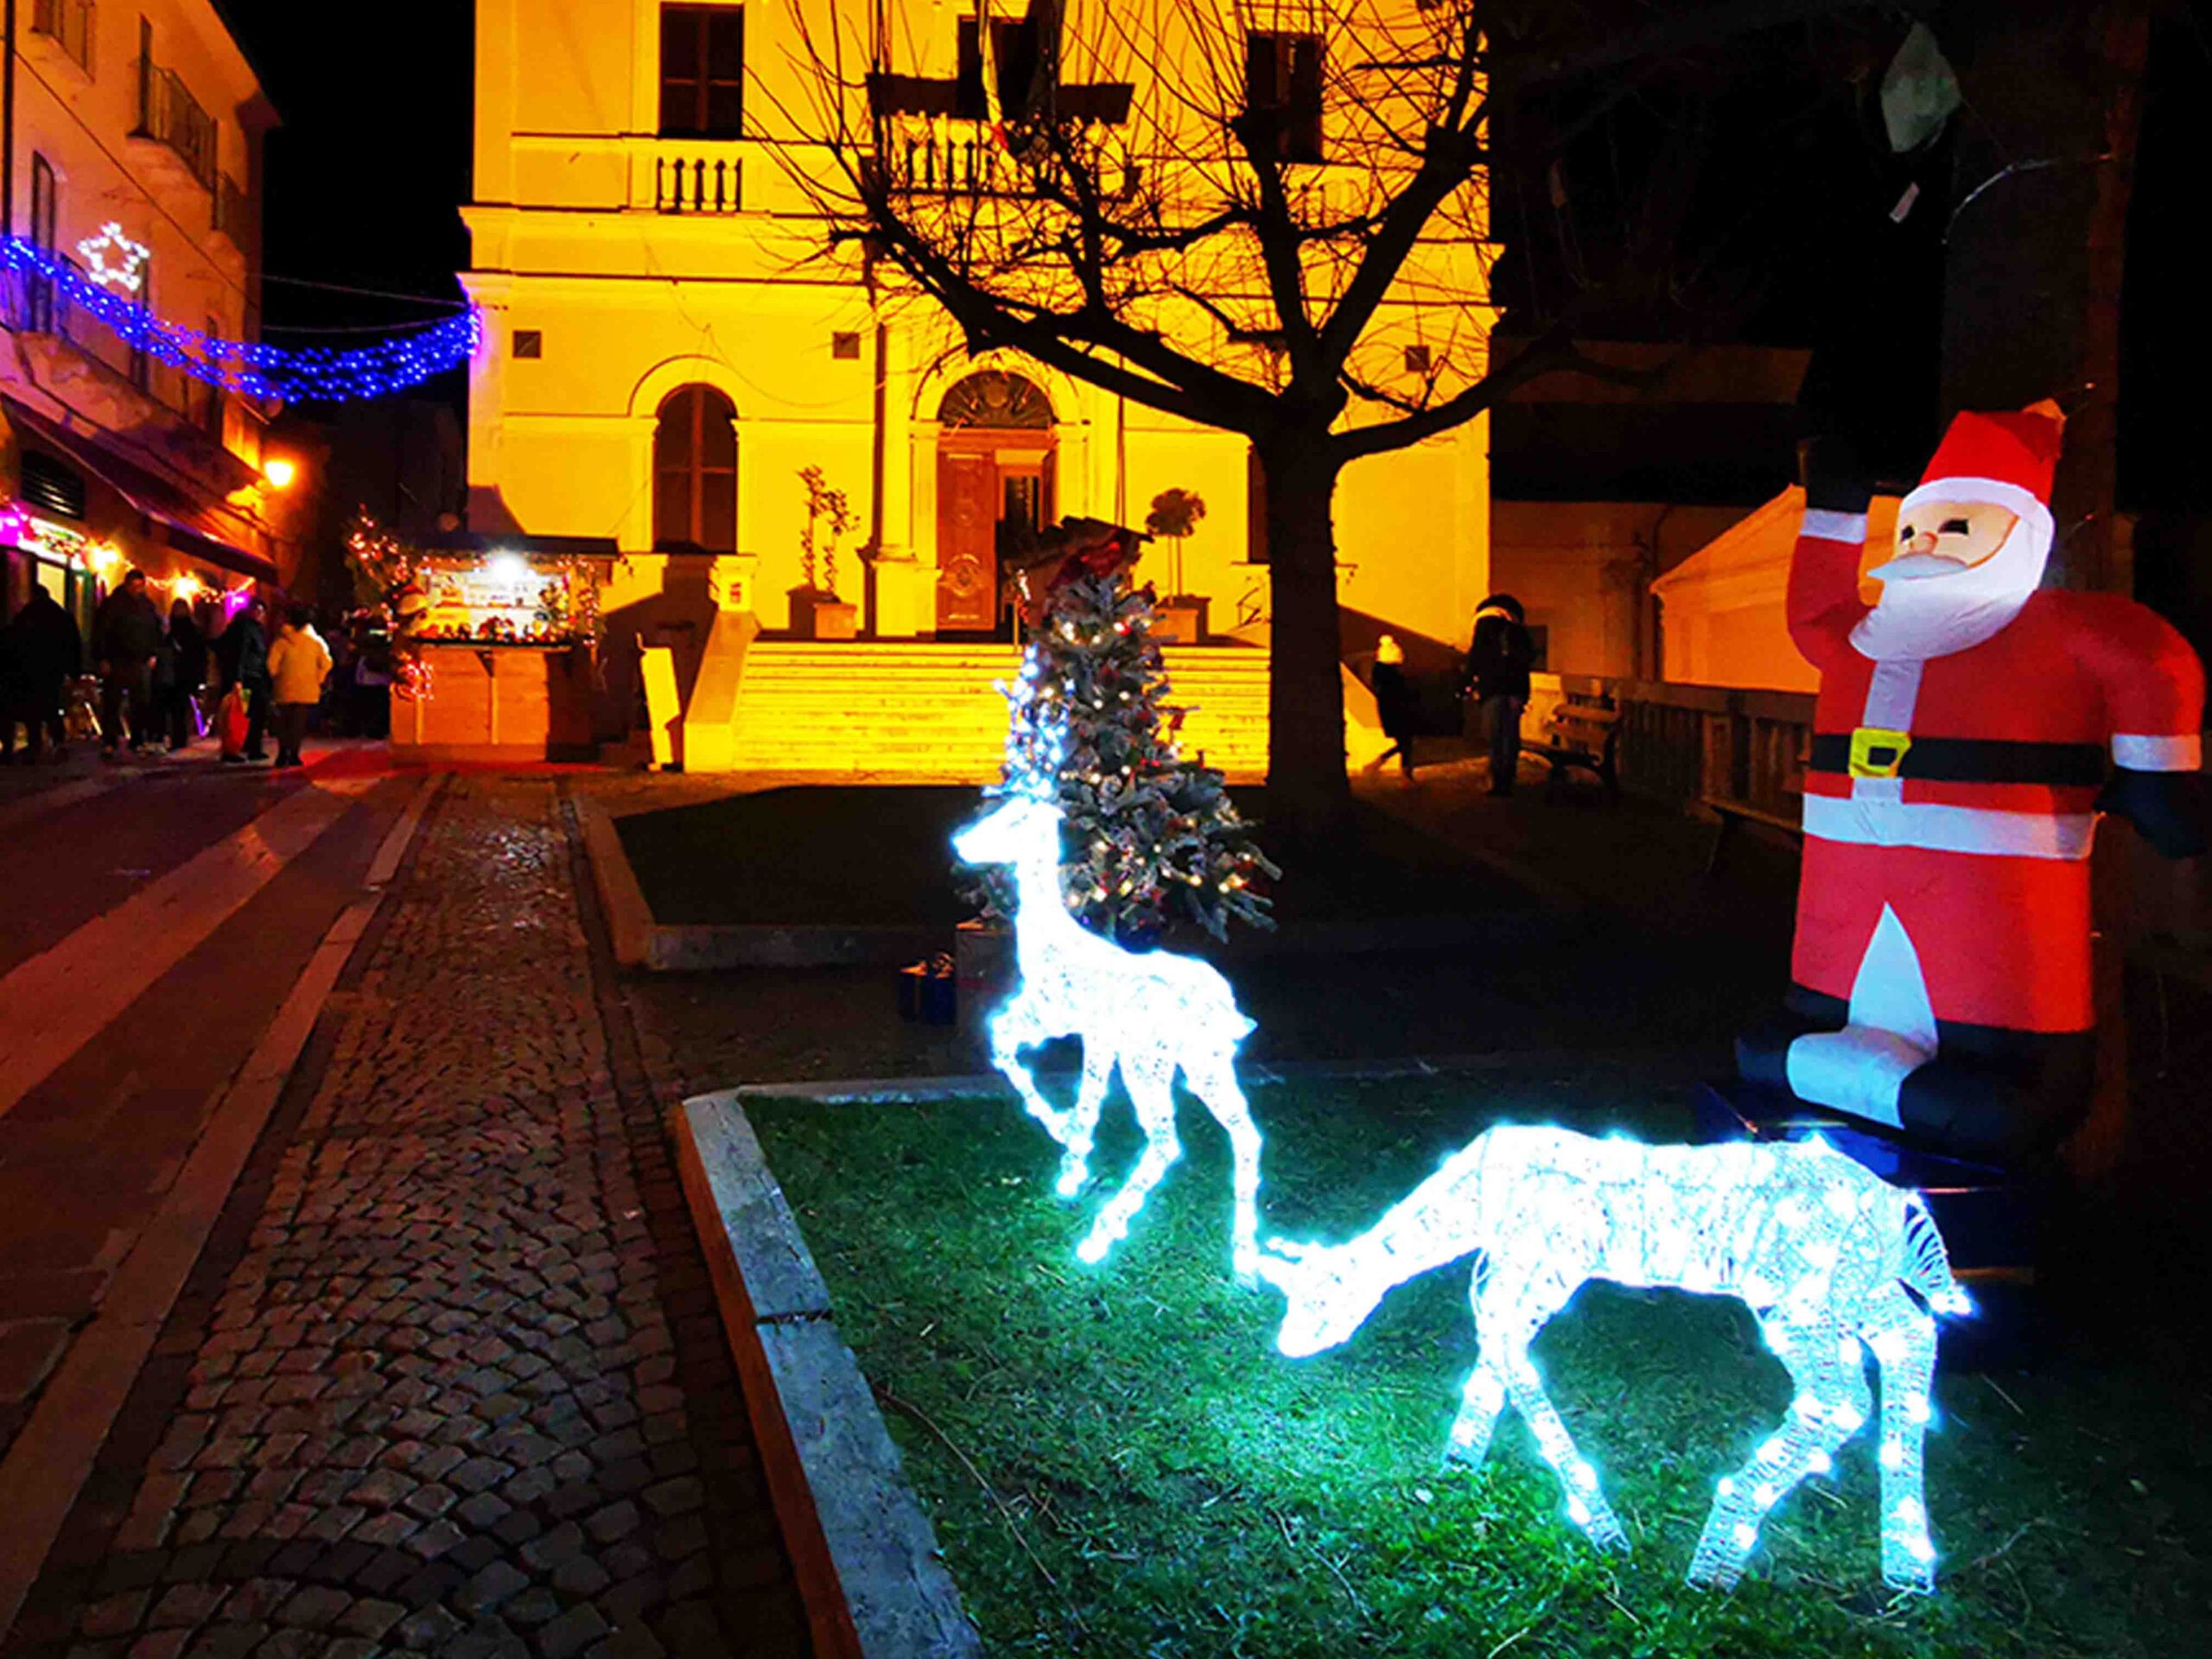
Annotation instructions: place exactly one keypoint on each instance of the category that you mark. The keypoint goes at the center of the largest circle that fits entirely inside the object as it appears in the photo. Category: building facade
(134, 159)
(670, 345)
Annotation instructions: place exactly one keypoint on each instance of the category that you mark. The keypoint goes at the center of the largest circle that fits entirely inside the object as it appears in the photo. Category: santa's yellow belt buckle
(1877, 752)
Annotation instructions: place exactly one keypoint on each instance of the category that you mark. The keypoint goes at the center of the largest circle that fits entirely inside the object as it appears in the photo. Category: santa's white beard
(1920, 616)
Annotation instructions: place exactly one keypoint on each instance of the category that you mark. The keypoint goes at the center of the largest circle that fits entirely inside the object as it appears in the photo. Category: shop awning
(192, 529)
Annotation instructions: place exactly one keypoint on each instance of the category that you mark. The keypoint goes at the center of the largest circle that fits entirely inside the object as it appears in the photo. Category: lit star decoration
(1833, 1261)
(1151, 1012)
(113, 260)
(311, 374)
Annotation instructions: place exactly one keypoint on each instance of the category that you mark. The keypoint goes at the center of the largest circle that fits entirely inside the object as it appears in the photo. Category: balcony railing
(708, 179)
(34, 305)
(234, 212)
(170, 115)
(68, 24)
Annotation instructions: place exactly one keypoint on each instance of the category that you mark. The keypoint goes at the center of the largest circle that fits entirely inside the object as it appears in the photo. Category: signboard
(504, 600)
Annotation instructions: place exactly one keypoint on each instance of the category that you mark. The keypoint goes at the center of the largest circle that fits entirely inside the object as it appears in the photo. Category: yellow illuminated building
(670, 342)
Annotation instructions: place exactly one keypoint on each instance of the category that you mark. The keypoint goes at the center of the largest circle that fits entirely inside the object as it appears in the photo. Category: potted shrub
(817, 612)
(1182, 616)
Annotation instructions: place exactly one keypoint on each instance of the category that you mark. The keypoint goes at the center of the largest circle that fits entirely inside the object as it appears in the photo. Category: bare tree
(1271, 217)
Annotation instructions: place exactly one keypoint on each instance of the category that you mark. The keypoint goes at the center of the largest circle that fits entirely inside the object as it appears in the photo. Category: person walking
(243, 650)
(1499, 657)
(126, 638)
(184, 671)
(41, 651)
(297, 663)
(1395, 705)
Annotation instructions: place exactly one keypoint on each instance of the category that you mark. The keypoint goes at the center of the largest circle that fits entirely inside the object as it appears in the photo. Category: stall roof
(193, 530)
(462, 544)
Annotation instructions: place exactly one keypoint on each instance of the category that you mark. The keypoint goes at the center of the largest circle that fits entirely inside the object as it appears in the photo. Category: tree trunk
(1307, 791)
(2033, 273)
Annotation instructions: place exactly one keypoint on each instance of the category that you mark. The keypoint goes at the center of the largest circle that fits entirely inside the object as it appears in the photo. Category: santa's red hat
(2006, 458)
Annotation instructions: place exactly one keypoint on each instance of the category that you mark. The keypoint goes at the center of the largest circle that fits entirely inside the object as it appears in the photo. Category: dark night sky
(365, 174)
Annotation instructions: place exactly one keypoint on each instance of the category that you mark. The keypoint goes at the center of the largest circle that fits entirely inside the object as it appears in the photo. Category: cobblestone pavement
(449, 1377)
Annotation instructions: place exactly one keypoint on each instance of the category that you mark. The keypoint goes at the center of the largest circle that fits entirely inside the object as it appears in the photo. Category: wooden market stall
(506, 642)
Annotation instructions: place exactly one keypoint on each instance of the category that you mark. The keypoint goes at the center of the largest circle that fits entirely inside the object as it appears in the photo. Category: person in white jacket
(298, 661)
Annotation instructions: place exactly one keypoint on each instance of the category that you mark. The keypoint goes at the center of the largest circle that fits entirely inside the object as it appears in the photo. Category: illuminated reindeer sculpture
(1826, 1254)
(1151, 1011)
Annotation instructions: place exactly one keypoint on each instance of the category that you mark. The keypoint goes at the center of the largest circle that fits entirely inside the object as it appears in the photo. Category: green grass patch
(882, 857)
(1117, 1461)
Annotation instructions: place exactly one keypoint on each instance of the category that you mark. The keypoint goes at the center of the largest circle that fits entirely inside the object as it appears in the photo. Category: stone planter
(823, 616)
(1182, 620)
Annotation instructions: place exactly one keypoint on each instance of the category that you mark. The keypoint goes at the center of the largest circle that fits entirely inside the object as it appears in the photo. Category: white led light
(1546, 1210)
(112, 260)
(1149, 1013)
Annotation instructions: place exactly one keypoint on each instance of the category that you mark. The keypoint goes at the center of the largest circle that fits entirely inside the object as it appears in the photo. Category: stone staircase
(920, 710)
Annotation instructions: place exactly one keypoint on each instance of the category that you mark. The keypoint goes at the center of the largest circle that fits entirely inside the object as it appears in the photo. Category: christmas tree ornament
(1150, 1014)
(1835, 1264)
(1971, 727)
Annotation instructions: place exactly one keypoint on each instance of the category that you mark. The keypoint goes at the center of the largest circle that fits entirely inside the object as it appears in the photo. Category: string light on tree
(1833, 1262)
(310, 374)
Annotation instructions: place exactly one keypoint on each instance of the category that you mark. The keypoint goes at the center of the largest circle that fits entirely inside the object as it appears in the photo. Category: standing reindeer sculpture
(1827, 1256)
(1151, 1011)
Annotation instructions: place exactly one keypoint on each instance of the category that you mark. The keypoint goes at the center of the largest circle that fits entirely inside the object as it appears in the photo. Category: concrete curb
(866, 1557)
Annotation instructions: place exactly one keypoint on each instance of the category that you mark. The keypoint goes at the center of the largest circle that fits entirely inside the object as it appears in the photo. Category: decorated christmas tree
(1149, 838)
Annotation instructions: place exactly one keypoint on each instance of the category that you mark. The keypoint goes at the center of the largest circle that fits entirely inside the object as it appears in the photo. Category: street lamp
(280, 471)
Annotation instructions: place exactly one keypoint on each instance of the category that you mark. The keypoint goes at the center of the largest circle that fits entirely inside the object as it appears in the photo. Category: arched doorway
(694, 472)
(994, 490)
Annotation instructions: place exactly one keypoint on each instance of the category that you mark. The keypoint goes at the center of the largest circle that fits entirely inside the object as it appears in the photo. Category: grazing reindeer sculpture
(1826, 1256)
(1151, 1011)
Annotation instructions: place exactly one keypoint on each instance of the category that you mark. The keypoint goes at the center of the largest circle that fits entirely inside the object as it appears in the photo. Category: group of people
(154, 675)
(1493, 677)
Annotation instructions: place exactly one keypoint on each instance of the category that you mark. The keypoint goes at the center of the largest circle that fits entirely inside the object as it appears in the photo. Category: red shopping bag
(234, 722)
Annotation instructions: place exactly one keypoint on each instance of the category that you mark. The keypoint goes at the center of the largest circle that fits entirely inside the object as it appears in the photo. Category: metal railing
(169, 113)
(1687, 743)
(34, 305)
(68, 24)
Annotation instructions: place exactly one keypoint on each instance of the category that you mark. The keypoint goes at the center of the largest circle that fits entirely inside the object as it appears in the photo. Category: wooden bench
(1734, 814)
(1583, 737)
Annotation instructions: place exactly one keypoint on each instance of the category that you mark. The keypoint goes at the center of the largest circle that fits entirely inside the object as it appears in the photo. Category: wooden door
(967, 542)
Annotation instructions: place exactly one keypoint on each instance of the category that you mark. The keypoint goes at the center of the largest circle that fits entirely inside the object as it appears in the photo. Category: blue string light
(311, 374)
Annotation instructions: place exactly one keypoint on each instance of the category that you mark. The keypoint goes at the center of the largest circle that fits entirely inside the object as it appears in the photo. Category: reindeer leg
(1902, 1337)
(1830, 1407)
(1014, 1027)
(1214, 1082)
(1082, 1123)
(1152, 1091)
(1507, 1319)
(1483, 1401)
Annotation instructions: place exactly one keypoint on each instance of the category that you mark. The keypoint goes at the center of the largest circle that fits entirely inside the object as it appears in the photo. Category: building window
(995, 399)
(1013, 45)
(68, 23)
(1282, 95)
(695, 472)
(702, 72)
(51, 486)
(529, 342)
(845, 347)
(39, 290)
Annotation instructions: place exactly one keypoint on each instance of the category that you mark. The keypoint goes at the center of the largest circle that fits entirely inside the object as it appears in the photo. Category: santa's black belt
(1961, 760)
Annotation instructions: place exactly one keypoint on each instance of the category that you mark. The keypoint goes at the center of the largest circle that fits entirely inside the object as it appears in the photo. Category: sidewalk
(448, 1375)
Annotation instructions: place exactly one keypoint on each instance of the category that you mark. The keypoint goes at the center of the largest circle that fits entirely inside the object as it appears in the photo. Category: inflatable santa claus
(1971, 728)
